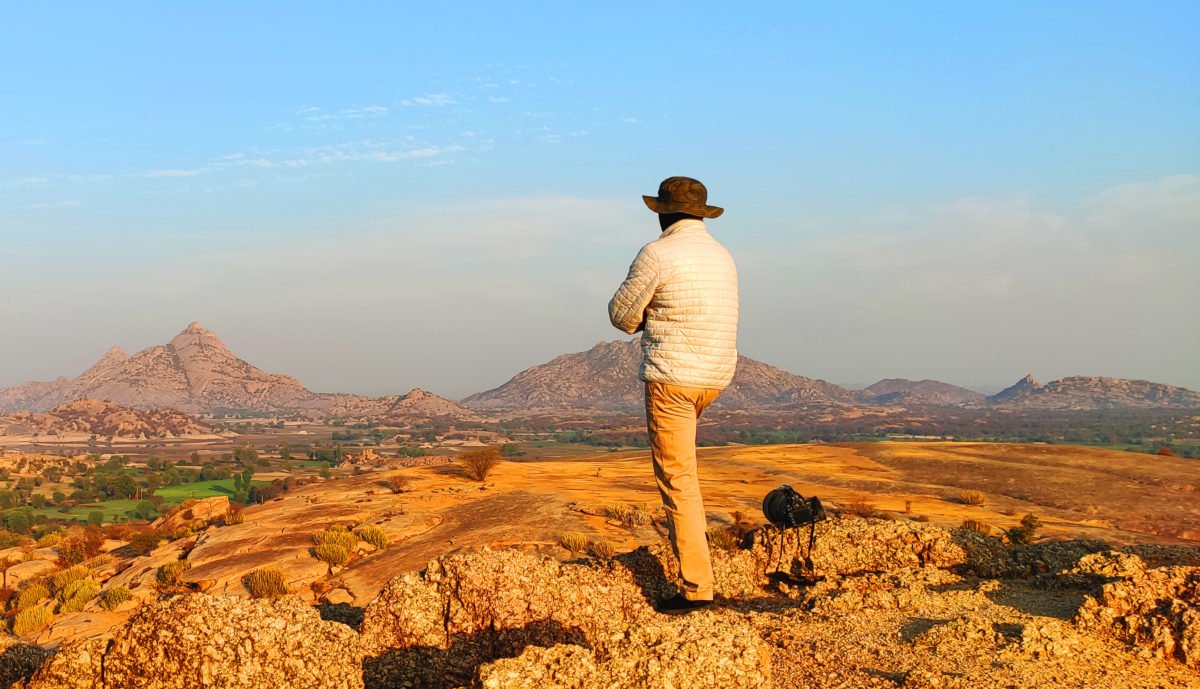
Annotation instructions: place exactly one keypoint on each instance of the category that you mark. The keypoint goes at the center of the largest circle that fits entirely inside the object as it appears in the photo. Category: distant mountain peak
(606, 377)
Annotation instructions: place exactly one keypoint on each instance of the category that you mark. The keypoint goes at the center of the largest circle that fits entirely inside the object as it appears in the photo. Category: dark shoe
(678, 605)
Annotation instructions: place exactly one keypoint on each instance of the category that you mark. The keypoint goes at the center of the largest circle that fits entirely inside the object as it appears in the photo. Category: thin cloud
(173, 172)
(367, 112)
(435, 100)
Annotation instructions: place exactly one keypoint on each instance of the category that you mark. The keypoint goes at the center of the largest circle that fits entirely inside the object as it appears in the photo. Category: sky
(375, 197)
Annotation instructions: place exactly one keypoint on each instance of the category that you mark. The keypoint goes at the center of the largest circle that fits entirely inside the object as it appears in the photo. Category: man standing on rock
(682, 294)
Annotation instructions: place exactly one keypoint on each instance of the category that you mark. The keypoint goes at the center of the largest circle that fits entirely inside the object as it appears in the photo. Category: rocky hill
(919, 392)
(419, 405)
(94, 417)
(1094, 392)
(194, 372)
(888, 604)
(606, 377)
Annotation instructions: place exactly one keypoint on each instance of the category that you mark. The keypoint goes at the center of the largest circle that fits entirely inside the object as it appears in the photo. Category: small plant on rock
(977, 526)
(1025, 533)
(114, 597)
(267, 582)
(234, 518)
(171, 573)
(972, 497)
(31, 620)
(62, 579)
(374, 535)
(332, 553)
(79, 594)
(32, 595)
(601, 549)
(146, 541)
(573, 542)
(860, 507)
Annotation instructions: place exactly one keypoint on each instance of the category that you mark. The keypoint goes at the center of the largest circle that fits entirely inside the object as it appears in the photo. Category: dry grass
(573, 542)
(114, 597)
(972, 497)
(977, 526)
(332, 553)
(31, 620)
(171, 573)
(399, 483)
(372, 534)
(861, 507)
(601, 549)
(267, 582)
(627, 515)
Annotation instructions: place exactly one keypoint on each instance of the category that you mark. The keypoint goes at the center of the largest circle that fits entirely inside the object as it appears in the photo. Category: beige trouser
(671, 415)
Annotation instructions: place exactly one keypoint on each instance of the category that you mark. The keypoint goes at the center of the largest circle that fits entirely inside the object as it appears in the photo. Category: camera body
(786, 509)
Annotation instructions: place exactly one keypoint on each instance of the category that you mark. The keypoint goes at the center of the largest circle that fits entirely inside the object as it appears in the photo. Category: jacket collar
(685, 225)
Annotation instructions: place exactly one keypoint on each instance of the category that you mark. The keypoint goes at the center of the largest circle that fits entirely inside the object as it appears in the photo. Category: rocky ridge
(104, 419)
(1094, 392)
(606, 377)
(890, 604)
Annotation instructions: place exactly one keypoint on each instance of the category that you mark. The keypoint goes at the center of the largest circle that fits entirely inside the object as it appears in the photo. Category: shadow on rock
(428, 667)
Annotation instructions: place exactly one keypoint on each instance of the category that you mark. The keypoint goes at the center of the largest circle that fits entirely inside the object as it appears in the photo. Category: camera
(785, 508)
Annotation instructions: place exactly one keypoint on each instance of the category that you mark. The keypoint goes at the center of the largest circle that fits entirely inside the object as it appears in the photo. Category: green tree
(95, 518)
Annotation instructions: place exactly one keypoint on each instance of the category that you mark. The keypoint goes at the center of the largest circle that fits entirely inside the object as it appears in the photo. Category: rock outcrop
(210, 641)
(106, 419)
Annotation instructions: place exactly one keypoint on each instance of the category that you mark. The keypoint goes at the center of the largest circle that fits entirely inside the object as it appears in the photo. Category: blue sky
(381, 196)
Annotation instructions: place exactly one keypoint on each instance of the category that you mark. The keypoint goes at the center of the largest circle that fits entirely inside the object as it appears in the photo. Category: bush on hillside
(114, 597)
(477, 464)
(31, 620)
(374, 535)
(267, 582)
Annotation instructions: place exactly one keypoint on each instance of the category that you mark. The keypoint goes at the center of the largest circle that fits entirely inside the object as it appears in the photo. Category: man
(682, 293)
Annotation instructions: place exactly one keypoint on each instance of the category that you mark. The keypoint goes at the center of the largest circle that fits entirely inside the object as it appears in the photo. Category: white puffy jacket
(682, 292)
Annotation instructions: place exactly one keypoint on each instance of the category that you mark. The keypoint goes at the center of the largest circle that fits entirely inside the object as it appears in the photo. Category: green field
(200, 489)
(112, 509)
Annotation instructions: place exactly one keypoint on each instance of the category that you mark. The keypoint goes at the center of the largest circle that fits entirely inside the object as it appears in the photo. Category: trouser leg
(671, 415)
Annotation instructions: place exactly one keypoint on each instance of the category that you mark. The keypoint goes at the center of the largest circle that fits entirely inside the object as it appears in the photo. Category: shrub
(1025, 533)
(79, 594)
(977, 526)
(146, 541)
(234, 518)
(181, 533)
(860, 507)
(267, 582)
(972, 497)
(573, 541)
(61, 580)
(477, 464)
(32, 595)
(171, 573)
(337, 536)
(374, 535)
(333, 553)
(1165, 451)
(629, 515)
(722, 538)
(398, 483)
(50, 539)
(102, 560)
(114, 597)
(31, 620)
(601, 549)
(81, 546)
(95, 518)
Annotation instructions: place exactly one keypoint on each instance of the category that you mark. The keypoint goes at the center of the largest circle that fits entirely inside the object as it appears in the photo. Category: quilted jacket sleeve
(628, 306)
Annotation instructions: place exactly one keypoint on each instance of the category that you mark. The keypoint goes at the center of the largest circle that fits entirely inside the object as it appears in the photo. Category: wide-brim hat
(682, 195)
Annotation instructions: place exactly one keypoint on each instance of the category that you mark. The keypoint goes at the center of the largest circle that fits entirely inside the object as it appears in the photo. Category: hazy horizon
(378, 198)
